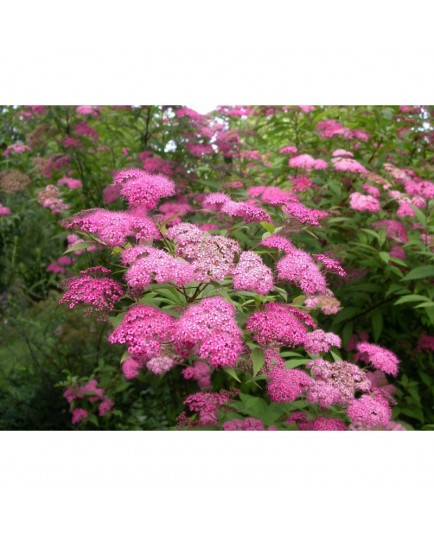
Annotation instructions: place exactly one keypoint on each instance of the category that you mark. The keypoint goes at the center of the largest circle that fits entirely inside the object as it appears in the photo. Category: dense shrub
(255, 268)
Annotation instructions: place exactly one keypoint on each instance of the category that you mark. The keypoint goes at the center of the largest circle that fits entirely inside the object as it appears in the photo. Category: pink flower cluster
(223, 203)
(379, 357)
(207, 405)
(304, 214)
(94, 289)
(58, 267)
(307, 162)
(247, 424)
(143, 189)
(149, 264)
(332, 128)
(50, 198)
(92, 393)
(72, 184)
(199, 371)
(252, 274)
(85, 130)
(210, 330)
(394, 229)
(286, 385)
(212, 257)
(364, 203)
(4, 211)
(16, 148)
(279, 325)
(113, 228)
(319, 341)
(146, 331)
(271, 195)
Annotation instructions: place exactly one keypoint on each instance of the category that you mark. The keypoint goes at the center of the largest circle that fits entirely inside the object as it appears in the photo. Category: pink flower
(144, 330)
(16, 148)
(201, 372)
(279, 325)
(252, 274)
(113, 228)
(394, 229)
(304, 214)
(4, 211)
(364, 203)
(425, 343)
(91, 288)
(369, 411)
(288, 149)
(78, 415)
(207, 405)
(333, 265)
(130, 368)
(305, 161)
(286, 385)
(319, 341)
(379, 357)
(210, 329)
(88, 110)
(325, 424)
(301, 184)
(144, 189)
(160, 365)
(72, 184)
(85, 130)
(398, 252)
(298, 267)
(247, 424)
(105, 406)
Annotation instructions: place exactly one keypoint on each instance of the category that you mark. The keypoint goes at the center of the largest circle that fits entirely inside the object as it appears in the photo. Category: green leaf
(80, 245)
(411, 298)
(125, 356)
(336, 355)
(258, 360)
(293, 363)
(268, 226)
(384, 256)
(232, 373)
(421, 272)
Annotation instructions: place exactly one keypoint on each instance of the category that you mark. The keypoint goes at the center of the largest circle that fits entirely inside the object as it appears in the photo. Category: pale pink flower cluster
(71, 143)
(288, 149)
(188, 112)
(286, 385)
(149, 264)
(50, 198)
(201, 372)
(335, 383)
(379, 357)
(347, 163)
(212, 257)
(88, 110)
(398, 252)
(159, 365)
(145, 330)
(16, 148)
(93, 289)
(319, 341)
(72, 184)
(113, 228)
(210, 330)
(364, 203)
(326, 302)
(308, 162)
(252, 274)
(173, 210)
(279, 325)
